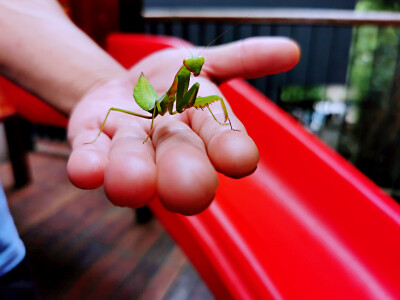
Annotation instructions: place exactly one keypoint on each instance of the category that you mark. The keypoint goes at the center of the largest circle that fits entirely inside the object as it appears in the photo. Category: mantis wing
(144, 94)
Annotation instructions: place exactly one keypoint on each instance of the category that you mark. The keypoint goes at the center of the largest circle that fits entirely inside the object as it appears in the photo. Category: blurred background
(345, 90)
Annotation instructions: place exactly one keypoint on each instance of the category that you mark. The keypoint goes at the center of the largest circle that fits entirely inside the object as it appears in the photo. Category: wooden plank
(167, 274)
(104, 276)
(343, 17)
(6, 177)
(37, 211)
(148, 266)
(129, 258)
(185, 287)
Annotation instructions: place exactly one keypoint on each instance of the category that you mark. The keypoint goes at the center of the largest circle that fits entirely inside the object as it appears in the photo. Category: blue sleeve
(12, 249)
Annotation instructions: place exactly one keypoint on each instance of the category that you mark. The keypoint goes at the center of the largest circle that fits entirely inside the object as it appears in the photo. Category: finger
(232, 152)
(251, 58)
(130, 175)
(118, 158)
(186, 180)
(87, 162)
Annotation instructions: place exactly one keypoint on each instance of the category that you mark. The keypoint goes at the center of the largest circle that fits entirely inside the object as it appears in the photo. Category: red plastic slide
(305, 225)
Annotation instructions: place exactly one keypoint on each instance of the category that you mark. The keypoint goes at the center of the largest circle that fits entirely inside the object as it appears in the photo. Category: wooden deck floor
(82, 247)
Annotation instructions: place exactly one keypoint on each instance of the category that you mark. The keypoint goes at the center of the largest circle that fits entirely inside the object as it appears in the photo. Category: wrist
(89, 81)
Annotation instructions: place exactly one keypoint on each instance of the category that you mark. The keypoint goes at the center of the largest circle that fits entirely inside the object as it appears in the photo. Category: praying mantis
(179, 94)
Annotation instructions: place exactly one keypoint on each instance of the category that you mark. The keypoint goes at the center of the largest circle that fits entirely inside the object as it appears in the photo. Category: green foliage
(301, 93)
(382, 5)
(374, 53)
(360, 70)
(373, 59)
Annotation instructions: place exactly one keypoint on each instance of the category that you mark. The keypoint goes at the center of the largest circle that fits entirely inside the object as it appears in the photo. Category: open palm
(180, 161)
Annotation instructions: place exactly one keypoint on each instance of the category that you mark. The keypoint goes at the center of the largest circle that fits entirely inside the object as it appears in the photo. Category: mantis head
(194, 64)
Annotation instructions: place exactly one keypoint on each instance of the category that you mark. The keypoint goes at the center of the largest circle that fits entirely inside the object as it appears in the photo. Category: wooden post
(131, 19)
(17, 150)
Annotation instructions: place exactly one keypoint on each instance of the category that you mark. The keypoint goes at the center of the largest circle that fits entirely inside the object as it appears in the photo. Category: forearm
(44, 52)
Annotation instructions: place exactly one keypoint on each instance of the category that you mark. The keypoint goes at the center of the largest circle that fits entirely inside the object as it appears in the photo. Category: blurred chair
(15, 146)
(17, 106)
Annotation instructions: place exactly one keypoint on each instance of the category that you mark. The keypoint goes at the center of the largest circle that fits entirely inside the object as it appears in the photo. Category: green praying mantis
(179, 94)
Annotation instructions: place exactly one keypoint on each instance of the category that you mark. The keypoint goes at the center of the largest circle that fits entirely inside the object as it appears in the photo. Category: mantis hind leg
(123, 111)
(215, 118)
(220, 123)
(206, 101)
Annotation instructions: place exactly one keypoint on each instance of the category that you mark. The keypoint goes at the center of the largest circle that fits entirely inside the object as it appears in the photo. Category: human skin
(180, 162)
(41, 50)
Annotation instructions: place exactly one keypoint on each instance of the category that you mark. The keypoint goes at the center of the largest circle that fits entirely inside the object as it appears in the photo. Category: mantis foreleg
(188, 98)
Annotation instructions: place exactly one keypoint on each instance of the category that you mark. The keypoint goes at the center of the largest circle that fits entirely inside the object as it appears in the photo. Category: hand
(180, 161)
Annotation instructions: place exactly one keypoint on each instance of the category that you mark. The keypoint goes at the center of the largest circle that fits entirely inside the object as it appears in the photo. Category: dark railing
(324, 36)
(273, 16)
(349, 106)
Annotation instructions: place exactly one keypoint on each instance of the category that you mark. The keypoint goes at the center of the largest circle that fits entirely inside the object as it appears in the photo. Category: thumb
(251, 58)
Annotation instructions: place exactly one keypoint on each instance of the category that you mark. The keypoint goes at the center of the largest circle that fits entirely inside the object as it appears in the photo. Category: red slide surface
(305, 225)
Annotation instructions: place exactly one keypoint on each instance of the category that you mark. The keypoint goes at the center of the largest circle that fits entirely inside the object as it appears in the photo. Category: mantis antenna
(185, 46)
(214, 40)
(221, 35)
